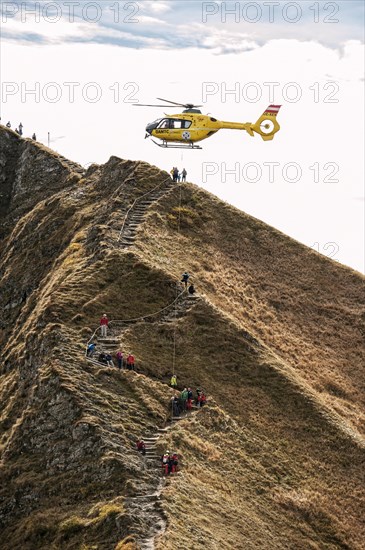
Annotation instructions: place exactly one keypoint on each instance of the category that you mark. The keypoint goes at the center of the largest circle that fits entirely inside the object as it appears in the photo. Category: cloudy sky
(74, 69)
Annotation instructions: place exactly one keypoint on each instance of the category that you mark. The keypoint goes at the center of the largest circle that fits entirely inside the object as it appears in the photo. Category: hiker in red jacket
(141, 446)
(130, 362)
(104, 325)
(174, 461)
(203, 399)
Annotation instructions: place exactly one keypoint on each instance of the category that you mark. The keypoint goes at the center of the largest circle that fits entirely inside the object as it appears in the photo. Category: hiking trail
(145, 509)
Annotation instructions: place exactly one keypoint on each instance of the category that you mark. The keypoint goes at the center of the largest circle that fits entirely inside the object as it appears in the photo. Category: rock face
(275, 460)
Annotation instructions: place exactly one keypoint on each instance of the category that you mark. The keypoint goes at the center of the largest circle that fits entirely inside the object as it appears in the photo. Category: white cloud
(156, 6)
(177, 25)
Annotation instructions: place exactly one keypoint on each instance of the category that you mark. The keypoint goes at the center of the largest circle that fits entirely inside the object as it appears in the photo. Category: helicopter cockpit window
(174, 123)
(164, 123)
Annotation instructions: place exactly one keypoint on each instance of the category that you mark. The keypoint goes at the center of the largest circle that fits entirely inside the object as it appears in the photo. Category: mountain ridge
(275, 339)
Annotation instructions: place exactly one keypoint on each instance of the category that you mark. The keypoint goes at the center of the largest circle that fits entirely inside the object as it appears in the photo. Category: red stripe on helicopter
(273, 109)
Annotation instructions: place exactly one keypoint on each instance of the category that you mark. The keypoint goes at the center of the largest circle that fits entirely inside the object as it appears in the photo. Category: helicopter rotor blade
(173, 102)
(186, 105)
(146, 105)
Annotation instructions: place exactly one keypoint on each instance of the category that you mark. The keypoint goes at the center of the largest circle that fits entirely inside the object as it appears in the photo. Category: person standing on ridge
(175, 406)
(183, 175)
(130, 362)
(104, 321)
(175, 174)
(174, 462)
(119, 360)
(198, 393)
(173, 382)
(165, 458)
(184, 398)
(20, 129)
(8, 125)
(185, 279)
(34, 137)
(189, 402)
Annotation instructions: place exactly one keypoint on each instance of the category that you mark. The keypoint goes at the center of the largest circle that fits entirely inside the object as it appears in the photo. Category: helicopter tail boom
(267, 125)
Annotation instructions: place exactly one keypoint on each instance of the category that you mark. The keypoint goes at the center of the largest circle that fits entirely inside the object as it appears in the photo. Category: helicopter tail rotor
(267, 125)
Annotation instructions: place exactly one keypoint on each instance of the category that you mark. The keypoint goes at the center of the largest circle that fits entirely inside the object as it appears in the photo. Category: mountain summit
(274, 336)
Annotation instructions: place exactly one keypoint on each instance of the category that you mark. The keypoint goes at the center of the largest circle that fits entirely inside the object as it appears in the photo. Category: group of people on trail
(185, 280)
(19, 130)
(178, 176)
(185, 401)
(170, 463)
(106, 358)
(129, 362)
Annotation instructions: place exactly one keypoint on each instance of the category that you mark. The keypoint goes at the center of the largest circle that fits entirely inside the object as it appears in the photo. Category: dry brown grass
(274, 461)
(307, 309)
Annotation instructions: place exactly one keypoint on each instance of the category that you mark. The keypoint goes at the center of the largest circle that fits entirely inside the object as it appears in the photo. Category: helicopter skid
(166, 145)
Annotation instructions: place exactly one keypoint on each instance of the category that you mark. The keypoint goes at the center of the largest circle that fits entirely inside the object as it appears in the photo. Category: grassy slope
(268, 464)
(307, 309)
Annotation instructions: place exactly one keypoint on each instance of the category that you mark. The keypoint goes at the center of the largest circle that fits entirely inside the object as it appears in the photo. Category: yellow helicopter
(182, 131)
